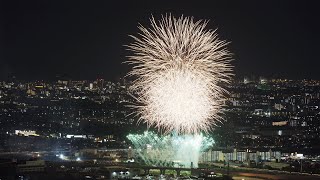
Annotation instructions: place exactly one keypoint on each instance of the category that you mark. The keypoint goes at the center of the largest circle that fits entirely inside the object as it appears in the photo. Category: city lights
(119, 90)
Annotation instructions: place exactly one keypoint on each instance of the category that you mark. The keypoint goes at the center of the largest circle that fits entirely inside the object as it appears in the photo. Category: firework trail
(177, 68)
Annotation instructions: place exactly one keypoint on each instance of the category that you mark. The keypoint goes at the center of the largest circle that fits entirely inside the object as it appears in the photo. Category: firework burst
(177, 66)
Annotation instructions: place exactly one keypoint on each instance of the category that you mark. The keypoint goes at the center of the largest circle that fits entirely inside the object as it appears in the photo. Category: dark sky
(84, 39)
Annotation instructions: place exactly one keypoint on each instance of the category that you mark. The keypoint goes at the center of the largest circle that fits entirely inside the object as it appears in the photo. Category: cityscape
(159, 90)
(266, 120)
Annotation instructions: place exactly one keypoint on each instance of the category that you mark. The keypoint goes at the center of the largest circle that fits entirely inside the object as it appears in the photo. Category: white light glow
(61, 156)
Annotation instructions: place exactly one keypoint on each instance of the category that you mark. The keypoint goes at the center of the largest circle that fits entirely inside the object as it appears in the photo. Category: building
(31, 166)
(239, 155)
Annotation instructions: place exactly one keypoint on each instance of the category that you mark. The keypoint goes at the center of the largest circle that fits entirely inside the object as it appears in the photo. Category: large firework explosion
(169, 150)
(177, 66)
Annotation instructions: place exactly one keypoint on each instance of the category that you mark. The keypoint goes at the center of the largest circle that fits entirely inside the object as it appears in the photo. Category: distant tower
(130, 152)
(263, 80)
(100, 83)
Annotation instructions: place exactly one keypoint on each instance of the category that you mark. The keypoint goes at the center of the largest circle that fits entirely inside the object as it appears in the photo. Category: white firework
(177, 68)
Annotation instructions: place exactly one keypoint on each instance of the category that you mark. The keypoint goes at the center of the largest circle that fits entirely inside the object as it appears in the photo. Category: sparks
(169, 150)
(177, 66)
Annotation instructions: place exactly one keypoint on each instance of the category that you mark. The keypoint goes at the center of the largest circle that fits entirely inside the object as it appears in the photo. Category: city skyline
(85, 41)
(159, 90)
(269, 124)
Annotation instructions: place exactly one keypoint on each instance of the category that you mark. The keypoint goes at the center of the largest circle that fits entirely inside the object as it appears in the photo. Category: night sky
(84, 39)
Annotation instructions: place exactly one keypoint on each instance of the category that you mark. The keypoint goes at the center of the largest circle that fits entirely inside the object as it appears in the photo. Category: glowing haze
(178, 66)
(169, 150)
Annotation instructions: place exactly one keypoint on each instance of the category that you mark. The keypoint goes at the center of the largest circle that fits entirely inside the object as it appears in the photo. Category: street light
(61, 156)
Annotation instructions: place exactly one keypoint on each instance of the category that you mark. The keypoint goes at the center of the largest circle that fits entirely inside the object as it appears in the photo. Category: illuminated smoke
(169, 150)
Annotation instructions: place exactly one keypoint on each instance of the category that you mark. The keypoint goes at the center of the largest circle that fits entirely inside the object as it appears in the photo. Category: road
(263, 176)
